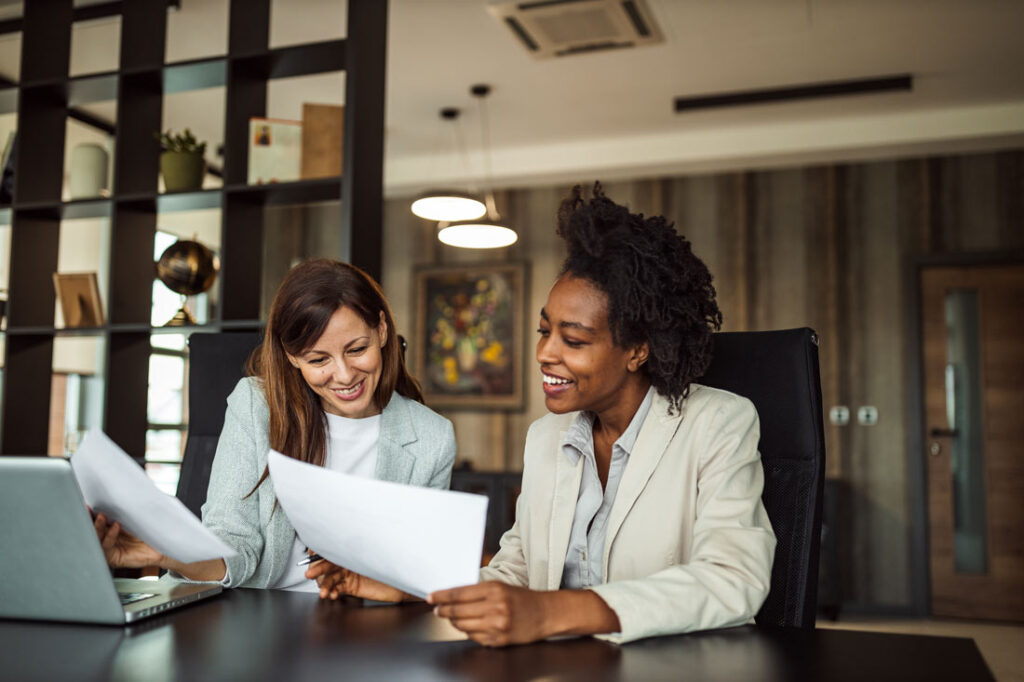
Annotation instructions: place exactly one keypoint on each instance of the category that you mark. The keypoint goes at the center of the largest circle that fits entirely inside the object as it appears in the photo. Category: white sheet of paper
(114, 484)
(416, 539)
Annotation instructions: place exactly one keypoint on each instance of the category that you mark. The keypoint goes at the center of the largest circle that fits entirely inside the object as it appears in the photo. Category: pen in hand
(308, 560)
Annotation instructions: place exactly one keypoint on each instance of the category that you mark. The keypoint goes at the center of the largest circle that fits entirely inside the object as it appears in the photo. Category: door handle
(943, 433)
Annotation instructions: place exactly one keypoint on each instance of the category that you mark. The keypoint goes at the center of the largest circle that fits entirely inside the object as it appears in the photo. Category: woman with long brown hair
(327, 386)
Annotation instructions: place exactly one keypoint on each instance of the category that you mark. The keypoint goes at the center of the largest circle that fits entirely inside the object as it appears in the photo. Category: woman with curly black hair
(640, 512)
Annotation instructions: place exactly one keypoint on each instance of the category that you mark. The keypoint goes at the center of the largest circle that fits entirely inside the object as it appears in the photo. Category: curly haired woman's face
(344, 365)
(582, 367)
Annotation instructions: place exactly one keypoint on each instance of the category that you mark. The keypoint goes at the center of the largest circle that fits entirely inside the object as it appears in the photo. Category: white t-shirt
(351, 449)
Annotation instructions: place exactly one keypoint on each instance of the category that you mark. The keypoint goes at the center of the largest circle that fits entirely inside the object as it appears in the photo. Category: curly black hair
(658, 292)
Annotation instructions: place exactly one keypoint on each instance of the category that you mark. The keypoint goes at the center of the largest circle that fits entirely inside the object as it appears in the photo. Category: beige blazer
(689, 544)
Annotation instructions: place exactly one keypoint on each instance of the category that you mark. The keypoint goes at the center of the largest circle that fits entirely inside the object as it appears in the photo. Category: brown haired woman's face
(344, 365)
(582, 367)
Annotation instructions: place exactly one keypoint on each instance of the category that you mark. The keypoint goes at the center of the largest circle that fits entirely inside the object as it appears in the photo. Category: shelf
(38, 209)
(304, 60)
(236, 325)
(296, 60)
(55, 331)
(86, 208)
(197, 74)
(101, 207)
(45, 100)
(132, 328)
(92, 88)
(129, 328)
(287, 193)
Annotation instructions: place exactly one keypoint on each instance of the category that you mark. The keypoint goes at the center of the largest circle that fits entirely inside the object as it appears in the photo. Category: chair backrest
(778, 372)
(216, 363)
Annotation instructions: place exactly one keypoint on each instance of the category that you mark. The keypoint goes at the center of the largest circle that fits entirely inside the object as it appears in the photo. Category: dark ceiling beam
(860, 86)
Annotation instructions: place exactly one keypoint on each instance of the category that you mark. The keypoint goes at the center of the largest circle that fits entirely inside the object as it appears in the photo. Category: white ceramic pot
(88, 171)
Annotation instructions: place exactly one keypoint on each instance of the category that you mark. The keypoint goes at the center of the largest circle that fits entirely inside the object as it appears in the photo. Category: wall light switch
(867, 415)
(839, 415)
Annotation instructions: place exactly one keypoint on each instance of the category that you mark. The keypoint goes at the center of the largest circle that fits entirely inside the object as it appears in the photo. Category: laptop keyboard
(130, 597)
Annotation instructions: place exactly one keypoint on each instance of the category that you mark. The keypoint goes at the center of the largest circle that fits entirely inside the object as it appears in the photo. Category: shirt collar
(580, 436)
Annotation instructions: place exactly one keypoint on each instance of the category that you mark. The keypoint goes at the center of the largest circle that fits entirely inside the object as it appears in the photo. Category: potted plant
(181, 162)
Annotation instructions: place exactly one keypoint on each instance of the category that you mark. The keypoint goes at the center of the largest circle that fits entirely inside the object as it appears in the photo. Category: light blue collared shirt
(593, 506)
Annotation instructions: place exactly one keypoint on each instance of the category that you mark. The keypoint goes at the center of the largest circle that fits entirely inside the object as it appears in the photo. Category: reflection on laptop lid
(51, 564)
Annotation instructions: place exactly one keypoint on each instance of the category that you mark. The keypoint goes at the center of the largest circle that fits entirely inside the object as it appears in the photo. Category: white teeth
(348, 391)
(555, 381)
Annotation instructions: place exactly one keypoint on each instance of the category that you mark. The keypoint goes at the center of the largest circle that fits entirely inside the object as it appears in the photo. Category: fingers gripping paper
(416, 539)
(112, 483)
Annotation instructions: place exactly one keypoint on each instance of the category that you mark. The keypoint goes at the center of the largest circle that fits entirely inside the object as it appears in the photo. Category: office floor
(1001, 644)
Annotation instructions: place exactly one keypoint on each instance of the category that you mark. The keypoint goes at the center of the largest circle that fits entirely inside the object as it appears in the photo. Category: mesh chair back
(778, 372)
(216, 363)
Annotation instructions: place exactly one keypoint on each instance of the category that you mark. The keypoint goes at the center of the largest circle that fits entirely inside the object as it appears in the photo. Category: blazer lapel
(394, 462)
(563, 510)
(655, 434)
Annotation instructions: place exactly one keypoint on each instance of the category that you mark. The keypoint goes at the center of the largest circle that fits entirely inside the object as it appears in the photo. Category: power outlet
(839, 415)
(867, 415)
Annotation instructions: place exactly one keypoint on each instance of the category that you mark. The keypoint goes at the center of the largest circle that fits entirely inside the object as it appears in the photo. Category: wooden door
(973, 349)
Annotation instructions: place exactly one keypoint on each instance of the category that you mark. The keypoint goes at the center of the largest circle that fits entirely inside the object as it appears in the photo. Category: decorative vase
(88, 171)
(182, 171)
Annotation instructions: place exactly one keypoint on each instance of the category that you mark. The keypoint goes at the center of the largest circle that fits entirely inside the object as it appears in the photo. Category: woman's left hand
(496, 614)
(336, 581)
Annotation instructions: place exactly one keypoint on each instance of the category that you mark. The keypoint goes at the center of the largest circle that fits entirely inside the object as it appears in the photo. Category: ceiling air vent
(558, 28)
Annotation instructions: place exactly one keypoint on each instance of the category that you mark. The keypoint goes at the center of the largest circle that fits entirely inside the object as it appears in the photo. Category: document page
(114, 484)
(416, 539)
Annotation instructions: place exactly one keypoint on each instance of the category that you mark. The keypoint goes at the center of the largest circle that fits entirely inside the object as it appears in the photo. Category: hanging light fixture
(491, 232)
(446, 204)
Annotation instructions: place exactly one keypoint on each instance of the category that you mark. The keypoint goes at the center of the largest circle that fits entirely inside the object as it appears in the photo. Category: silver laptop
(51, 563)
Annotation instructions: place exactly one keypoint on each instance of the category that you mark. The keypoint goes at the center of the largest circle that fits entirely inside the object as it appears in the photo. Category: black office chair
(216, 363)
(778, 372)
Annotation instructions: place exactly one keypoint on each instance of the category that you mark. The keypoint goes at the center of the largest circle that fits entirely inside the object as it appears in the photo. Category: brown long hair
(310, 294)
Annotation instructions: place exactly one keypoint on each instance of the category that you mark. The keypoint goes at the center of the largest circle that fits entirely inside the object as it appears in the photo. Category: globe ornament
(187, 268)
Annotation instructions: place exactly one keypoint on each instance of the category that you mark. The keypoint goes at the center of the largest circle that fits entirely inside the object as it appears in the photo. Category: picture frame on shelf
(323, 130)
(275, 150)
(469, 335)
(79, 297)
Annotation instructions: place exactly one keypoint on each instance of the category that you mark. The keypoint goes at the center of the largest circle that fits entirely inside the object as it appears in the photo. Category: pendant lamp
(491, 232)
(446, 204)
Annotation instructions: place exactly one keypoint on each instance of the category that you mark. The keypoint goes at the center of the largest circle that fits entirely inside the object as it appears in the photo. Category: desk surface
(275, 635)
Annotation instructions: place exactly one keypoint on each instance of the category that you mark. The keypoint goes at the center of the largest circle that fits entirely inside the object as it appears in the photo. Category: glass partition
(963, 412)
(167, 409)
(76, 390)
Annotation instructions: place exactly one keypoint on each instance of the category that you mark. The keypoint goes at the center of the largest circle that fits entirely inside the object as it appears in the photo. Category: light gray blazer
(417, 447)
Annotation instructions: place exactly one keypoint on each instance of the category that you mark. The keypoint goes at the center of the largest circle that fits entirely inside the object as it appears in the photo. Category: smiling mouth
(349, 393)
(554, 385)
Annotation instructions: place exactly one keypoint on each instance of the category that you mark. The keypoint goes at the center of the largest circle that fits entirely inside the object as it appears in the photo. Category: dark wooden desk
(273, 635)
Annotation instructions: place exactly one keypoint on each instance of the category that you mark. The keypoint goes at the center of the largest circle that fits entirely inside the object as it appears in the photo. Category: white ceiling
(610, 114)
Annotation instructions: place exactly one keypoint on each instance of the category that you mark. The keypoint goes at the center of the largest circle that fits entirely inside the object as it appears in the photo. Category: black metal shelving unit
(43, 97)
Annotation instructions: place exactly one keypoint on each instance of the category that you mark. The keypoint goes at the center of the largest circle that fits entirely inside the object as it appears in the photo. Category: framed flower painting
(469, 340)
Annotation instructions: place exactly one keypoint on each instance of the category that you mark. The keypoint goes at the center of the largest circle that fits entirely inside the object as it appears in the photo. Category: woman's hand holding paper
(497, 614)
(121, 548)
(336, 581)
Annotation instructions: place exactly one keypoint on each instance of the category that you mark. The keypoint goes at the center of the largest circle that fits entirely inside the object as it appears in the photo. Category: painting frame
(469, 345)
(79, 297)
